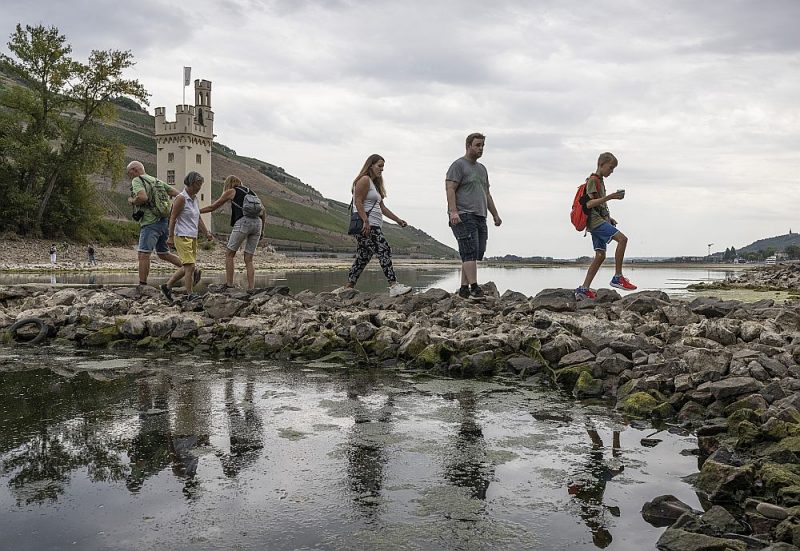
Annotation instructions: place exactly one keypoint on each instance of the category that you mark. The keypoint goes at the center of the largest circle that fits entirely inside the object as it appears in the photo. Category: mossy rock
(430, 356)
(253, 346)
(626, 389)
(740, 415)
(102, 337)
(587, 386)
(120, 344)
(776, 476)
(785, 451)
(152, 342)
(747, 434)
(568, 376)
(640, 404)
(789, 496)
(776, 430)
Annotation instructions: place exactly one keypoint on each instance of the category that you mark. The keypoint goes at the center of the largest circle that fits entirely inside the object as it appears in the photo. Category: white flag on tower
(187, 76)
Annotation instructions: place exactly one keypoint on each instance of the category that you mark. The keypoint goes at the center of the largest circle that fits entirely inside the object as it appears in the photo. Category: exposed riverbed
(105, 451)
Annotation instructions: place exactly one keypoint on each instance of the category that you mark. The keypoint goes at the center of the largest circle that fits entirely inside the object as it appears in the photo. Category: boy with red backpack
(602, 227)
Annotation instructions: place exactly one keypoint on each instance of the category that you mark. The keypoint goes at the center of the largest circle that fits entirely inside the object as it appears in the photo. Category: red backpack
(579, 215)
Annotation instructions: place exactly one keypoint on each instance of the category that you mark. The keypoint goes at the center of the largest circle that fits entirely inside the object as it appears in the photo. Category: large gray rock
(664, 510)
(704, 359)
(577, 357)
(222, 306)
(556, 300)
(134, 327)
(731, 387)
(675, 539)
(414, 341)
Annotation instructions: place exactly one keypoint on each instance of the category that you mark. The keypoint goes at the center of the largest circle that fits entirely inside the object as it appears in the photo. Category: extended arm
(389, 214)
(224, 198)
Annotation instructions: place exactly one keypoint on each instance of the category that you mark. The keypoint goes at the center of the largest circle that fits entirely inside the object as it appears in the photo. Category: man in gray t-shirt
(468, 199)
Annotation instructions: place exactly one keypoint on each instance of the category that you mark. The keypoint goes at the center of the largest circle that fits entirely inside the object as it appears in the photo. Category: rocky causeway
(725, 370)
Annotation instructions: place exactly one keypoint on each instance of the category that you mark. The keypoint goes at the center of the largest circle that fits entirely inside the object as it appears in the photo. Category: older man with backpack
(151, 200)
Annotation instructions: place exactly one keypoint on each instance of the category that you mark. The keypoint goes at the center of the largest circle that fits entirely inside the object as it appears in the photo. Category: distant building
(185, 145)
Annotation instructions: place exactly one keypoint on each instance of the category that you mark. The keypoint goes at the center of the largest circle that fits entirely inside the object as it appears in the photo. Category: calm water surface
(108, 452)
(526, 280)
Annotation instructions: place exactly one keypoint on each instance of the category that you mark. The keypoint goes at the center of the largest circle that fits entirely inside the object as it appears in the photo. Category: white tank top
(373, 201)
(188, 219)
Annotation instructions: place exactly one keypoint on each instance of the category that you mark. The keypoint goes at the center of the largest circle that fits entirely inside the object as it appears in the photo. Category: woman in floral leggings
(368, 195)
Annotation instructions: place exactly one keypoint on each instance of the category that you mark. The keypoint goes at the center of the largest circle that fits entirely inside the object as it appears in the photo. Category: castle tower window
(170, 176)
(199, 159)
(170, 157)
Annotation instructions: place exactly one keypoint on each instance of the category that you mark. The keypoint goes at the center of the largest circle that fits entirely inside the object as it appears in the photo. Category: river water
(527, 280)
(114, 452)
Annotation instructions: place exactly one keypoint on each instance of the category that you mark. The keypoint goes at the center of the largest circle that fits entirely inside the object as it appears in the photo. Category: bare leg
(469, 272)
(251, 271)
(229, 256)
(619, 255)
(599, 257)
(144, 266)
(188, 277)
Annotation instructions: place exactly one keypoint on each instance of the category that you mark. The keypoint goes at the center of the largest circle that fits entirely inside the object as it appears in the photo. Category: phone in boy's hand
(621, 191)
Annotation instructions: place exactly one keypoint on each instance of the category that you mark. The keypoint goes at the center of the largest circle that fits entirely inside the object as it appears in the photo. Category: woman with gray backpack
(248, 218)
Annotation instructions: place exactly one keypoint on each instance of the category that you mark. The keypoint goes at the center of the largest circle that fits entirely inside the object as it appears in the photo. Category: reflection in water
(467, 465)
(245, 429)
(156, 445)
(366, 443)
(111, 459)
(591, 486)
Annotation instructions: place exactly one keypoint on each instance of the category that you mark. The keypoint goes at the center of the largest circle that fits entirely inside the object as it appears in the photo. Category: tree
(50, 130)
(793, 252)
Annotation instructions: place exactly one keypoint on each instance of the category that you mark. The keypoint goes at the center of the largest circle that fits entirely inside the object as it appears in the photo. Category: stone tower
(185, 145)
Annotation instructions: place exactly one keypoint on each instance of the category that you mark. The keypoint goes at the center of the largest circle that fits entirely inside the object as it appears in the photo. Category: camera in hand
(137, 215)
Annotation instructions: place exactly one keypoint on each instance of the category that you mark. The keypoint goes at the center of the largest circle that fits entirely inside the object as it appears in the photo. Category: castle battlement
(184, 145)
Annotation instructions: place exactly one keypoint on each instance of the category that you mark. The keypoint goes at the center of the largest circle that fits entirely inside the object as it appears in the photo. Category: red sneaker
(582, 293)
(621, 282)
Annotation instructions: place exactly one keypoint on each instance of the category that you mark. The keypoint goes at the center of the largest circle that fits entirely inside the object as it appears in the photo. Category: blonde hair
(606, 158)
(377, 180)
(231, 182)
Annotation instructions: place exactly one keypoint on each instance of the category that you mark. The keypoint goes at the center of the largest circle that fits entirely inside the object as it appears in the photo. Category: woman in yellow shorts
(184, 223)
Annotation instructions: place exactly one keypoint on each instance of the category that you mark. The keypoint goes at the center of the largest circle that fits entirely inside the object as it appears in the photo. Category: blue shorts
(153, 237)
(602, 236)
(471, 235)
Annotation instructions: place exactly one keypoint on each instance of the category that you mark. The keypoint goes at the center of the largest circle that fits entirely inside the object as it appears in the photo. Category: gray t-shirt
(473, 186)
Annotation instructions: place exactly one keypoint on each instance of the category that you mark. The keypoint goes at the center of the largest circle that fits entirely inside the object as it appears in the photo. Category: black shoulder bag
(356, 223)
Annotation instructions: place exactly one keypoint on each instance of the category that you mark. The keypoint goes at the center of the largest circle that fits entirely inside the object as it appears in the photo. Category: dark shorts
(602, 236)
(471, 235)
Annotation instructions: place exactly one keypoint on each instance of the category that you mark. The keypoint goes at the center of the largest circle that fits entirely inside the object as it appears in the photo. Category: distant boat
(770, 260)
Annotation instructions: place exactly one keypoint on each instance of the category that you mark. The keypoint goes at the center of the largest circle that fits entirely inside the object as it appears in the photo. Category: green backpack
(158, 200)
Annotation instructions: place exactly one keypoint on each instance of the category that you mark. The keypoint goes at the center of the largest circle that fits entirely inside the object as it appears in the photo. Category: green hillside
(778, 243)
(299, 217)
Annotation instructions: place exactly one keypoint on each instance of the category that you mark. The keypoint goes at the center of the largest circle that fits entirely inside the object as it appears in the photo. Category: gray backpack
(251, 205)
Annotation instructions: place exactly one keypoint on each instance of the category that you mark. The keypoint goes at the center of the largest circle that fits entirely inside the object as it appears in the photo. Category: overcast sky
(698, 100)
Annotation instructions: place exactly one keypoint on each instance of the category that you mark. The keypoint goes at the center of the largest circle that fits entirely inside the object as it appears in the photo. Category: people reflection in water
(245, 429)
(591, 486)
(467, 464)
(366, 443)
(192, 430)
(157, 445)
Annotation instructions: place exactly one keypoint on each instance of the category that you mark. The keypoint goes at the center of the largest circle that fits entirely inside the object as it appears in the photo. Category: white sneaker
(398, 289)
